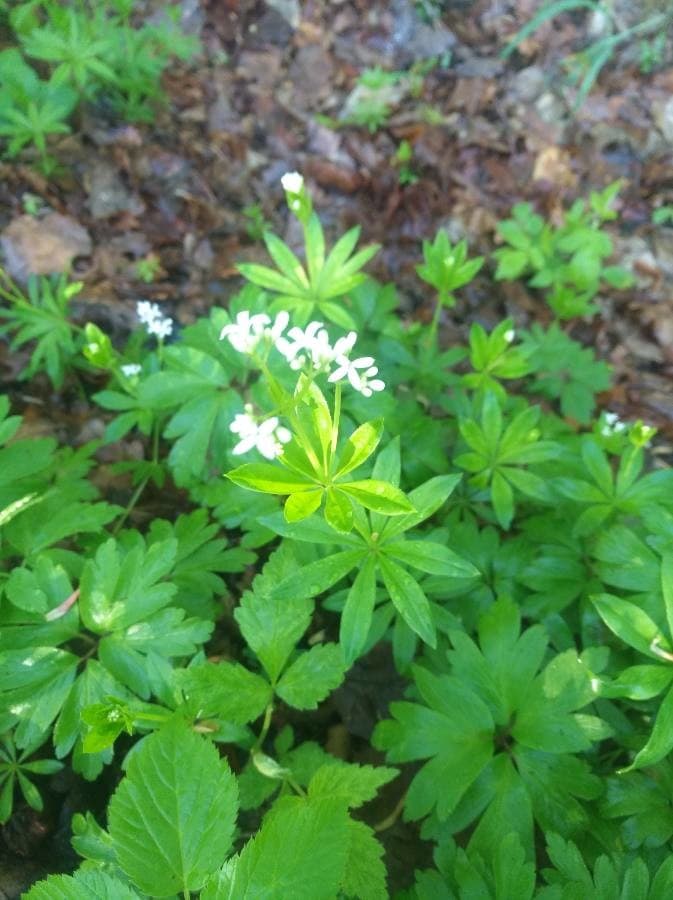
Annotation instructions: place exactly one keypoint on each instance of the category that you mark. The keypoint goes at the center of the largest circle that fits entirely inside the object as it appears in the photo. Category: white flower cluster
(613, 424)
(267, 437)
(130, 370)
(154, 321)
(305, 348)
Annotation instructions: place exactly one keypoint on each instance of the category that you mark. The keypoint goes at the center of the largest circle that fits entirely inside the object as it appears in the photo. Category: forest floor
(272, 91)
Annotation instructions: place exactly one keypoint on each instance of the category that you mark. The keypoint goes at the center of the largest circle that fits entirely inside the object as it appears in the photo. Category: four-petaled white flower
(153, 319)
(362, 381)
(292, 182)
(131, 369)
(307, 347)
(246, 332)
(268, 437)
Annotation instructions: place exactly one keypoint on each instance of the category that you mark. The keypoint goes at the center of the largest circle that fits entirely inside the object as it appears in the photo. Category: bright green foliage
(19, 769)
(315, 287)
(92, 52)
(498, 452)
(564, 370)
(447, 268)
(493, 357)
(499, 733)
(568, 261)
(555, 733)
(378, 548)
(31, 109)
(41, 315)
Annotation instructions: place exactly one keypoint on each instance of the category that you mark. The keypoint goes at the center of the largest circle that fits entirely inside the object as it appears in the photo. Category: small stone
(43, 246)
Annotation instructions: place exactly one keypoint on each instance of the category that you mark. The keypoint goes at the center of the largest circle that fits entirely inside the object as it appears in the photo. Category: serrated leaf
(353, 784)
(83, 885)
(227, 690)
(312, 676)
(365, 871)
(299, 852)
(172, 818)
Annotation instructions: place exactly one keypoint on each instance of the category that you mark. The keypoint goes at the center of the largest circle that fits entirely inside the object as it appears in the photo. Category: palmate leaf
(172, 818)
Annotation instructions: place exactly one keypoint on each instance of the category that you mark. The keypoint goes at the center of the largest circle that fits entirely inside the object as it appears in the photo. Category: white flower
(154, 321)
(147, 312)
(613, 424)
(131, 369)
(292, 182)
(509, 335)
(370, 383)
(312, 338)
(246, 332)
(268, 438)
(348, 368)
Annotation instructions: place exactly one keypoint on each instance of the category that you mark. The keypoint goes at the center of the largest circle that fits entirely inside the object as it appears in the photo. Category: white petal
(292, 182)
(243, 446)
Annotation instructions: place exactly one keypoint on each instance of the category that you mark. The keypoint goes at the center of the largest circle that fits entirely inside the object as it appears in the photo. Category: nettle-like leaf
(172, 818)
(83, 885)
(496, 699)
(377, 548)
(272, 627)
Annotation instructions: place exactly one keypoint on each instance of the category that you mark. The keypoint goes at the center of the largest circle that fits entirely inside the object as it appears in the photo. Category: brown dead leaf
(553, 164)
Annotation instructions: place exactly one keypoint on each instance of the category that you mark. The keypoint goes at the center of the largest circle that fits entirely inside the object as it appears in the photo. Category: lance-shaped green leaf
(379, 496)
(430, 557)
(356, 618)
(409, 600)
(660, 742)
(172, 817)
(632, 625)
(426, 500)
(338, 510)
(359, 446)
(318, 576)
(302, 504)
(269, 479)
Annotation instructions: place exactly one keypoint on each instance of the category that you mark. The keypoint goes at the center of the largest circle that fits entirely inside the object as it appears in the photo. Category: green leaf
(272, 625)
(269, 479)
(301, 505)
(172, 817)
(318, 576)
(378, 496)
(365, 871)
(338, 510)
(299, 852)
(83, 885)
(356, 617)
(660, 742)
(227, 690)
(502, 498)
(409, 600)
(359, 446)
(454, 731)
(312, 676)
(426, 500)
(631, 624)
(431, 557)
(352, 784)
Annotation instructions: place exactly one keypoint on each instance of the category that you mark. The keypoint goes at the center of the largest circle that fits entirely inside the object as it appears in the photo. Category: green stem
(266, 724)
(434, 325)
(143, 484)
(335, 420)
